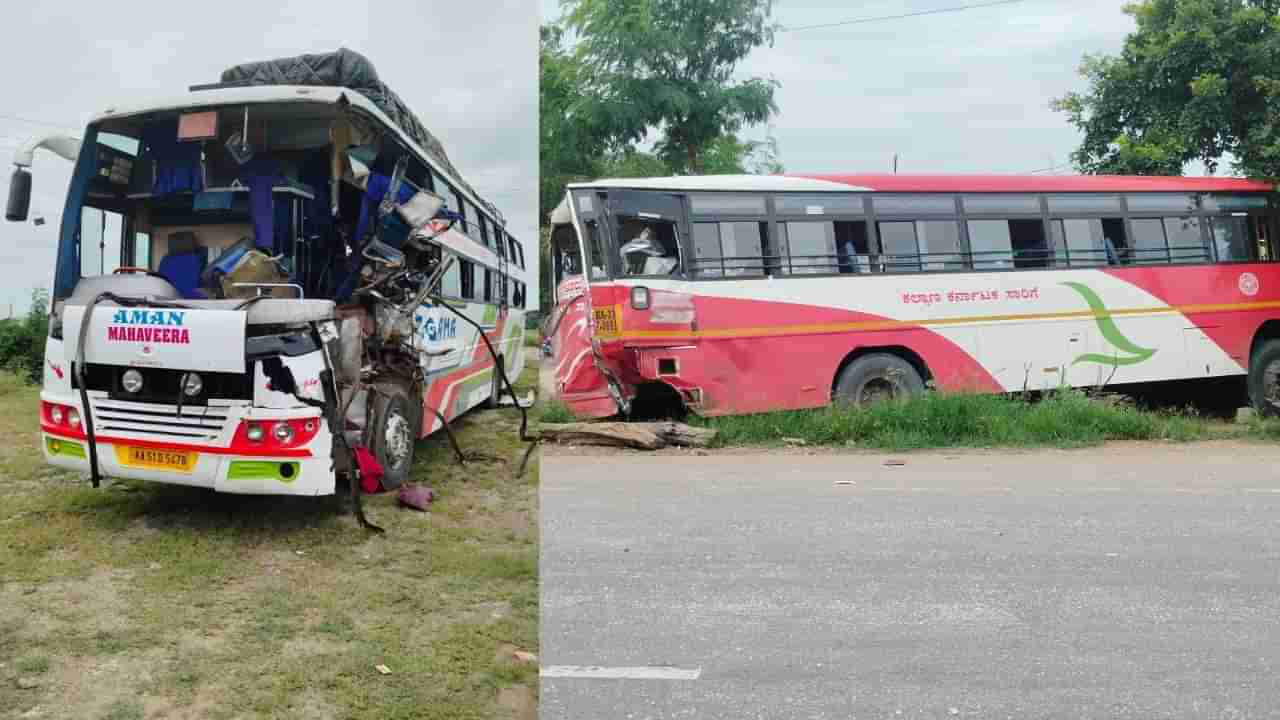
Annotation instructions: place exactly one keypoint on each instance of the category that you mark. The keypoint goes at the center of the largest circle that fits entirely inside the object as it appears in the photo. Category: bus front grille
(198, 424)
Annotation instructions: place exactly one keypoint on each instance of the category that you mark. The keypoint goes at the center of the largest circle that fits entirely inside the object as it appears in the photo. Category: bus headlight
(131, 381)
(283, 433)
(73, 418)
(193, 385)
(55, 414)
(254, 432)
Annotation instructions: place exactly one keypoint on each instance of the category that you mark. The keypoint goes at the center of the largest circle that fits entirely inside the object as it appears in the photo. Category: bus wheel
(876, 378)
(495, 385)
(395, 431)
(1264, 379)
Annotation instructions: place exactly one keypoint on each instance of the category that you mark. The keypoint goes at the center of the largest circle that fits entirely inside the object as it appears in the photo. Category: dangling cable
(502, 372)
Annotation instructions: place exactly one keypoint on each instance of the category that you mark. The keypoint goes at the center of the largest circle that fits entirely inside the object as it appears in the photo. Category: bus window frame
(1042, 202)
(780, 218)
(767, 262)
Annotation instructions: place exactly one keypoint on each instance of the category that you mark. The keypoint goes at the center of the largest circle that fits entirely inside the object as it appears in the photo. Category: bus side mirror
(19, 196)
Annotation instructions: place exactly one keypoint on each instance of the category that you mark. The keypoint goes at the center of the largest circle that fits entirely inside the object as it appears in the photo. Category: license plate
(156, 459)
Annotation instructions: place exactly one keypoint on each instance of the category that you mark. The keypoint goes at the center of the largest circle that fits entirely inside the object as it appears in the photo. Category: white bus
(255, 281)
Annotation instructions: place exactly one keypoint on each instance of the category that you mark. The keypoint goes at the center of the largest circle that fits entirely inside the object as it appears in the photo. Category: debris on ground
(524, 657)
(794, 441)
(27, 683)
(417, 497)
(844, 482)
(894, 463)
(382, 669)
(1245, 414)
(641, 435)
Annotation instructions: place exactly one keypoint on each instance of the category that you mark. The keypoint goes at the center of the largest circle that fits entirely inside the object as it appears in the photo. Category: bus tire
(1264, 379)
(395, 432)
(878, 377)
(495, 387)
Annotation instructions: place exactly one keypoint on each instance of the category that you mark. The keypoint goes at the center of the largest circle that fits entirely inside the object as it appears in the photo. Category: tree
(1197, 80)
(571, 143)
(667, 65)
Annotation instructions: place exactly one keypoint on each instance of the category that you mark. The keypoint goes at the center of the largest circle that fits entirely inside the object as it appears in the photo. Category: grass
(141, 600)
(554, 411)
(1061, 419)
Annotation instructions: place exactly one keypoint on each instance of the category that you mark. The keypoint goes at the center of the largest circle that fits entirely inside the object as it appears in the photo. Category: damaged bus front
(260, 287)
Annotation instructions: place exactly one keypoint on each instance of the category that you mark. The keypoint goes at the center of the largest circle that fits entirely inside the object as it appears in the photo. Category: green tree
(668, 65)
(571, 143)
(1197, 80)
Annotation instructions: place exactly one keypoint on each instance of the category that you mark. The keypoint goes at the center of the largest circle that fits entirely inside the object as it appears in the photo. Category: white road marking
(654, 672)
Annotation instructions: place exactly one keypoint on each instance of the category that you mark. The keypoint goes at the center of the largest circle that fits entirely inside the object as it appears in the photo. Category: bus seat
(183, 263)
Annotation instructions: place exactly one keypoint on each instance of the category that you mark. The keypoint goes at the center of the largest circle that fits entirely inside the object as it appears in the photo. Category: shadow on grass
(125, 503)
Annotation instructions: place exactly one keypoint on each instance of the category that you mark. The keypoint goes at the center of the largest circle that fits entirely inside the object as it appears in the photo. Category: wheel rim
(877, 390)
(398, 438)
(1271, 383)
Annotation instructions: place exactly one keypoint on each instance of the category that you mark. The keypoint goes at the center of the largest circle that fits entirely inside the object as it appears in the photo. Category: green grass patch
(32, 664)
(190, 603)
(554, 411)
(1066, 418)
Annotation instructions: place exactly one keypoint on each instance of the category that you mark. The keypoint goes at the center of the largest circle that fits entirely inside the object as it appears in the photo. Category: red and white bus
(744, 293)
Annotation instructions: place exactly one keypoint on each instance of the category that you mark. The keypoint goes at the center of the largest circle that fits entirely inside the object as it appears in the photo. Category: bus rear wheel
(1264, 379)
(877, 378)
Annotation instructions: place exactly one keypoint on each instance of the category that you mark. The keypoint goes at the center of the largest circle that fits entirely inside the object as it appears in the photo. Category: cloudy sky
(960, 92)
(468, 70)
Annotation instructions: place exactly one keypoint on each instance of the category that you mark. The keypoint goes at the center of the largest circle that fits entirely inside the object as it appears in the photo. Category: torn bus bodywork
(276, 303)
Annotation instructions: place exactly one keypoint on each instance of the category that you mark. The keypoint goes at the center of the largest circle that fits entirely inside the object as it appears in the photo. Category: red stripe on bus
(1043, 183)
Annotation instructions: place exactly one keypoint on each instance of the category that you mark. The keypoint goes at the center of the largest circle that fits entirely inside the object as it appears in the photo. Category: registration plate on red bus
(156, 458)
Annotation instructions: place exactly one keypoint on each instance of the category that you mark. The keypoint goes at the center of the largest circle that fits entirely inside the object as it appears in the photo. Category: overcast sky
(960, 92)
(469, 70)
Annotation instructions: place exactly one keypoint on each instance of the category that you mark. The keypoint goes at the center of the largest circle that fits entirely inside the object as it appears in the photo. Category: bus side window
(1232, 236)
(598, 264)
(729, 249)
(649, 248)
(1115, 241)
(468, 279)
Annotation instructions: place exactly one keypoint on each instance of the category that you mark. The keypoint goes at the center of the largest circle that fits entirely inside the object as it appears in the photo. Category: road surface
(1131, 581)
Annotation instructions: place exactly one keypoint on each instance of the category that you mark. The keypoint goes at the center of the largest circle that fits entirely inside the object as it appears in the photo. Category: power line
(919, 13)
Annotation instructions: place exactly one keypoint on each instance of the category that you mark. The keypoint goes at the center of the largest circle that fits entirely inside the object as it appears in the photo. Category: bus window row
(878, 234)
(466, 280)
(477, 224)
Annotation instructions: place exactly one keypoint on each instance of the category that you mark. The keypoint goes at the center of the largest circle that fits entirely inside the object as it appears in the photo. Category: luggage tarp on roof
(350, 69)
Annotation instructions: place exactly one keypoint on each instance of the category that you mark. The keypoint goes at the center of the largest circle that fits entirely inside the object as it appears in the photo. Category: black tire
(396, 420)
(1264, 379)
(878, 377)
(495, 390)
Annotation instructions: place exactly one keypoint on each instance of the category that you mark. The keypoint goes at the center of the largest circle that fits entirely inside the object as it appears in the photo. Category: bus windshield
(169, 192)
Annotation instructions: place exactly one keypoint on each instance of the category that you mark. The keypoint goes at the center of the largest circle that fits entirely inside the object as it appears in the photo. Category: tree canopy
(668, 66)
(1197, 80)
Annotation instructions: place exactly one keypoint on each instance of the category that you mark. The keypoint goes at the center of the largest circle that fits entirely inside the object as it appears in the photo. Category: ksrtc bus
(743, 294)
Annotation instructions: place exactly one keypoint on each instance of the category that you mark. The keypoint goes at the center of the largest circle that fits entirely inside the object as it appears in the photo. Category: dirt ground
(139, 601)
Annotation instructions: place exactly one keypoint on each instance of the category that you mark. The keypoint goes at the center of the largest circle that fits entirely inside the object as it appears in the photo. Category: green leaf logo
(1107, 326)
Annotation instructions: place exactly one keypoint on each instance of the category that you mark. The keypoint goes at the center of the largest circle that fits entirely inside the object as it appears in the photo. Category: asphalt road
(1136, 581)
